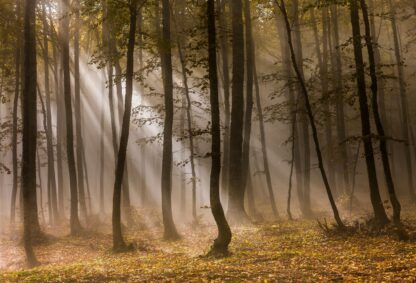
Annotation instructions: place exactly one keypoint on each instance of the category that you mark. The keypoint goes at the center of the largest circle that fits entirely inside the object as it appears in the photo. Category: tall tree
(170, 232)
(224, 233)
(379, 212)
(48, 129)
(377, 117)
(118, 242)
(223, 36)
(78, 118)
(17, 93)
(74, 218)
(29, 129)
(236, 210)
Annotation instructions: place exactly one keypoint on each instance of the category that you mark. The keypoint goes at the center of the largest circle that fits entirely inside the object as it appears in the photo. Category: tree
(78, 117)
(223, 239)
(379, 212)
(377, 117)
(170, 232)
(74, 218)
(29, 130)
(236, 212)
(118, 242)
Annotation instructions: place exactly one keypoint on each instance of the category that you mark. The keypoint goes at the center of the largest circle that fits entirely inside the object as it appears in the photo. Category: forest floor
(284, 251)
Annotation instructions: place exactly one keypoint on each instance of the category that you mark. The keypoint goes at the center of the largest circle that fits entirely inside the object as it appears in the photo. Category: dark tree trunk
(120, 111)
(224, 233)
(166, 181)
(29, 130)
(74, 219)
(379, 212)
(236, 210)
(249, 46)
(379, 125)
(310, 115)
(118, 242)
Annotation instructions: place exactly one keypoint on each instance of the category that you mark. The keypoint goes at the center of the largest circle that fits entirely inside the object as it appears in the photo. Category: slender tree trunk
(380, 129)
(29, 130)
(224, 233)
(310, 115)
(403, 99)
(303, 117)
(118, 242)
(249, 47)
(226, 89)
(78, 118)
(293, 103)
(379, 212)
(59, 137)
(102, 156)
(166, 178)
(236, 210)
(188, 111)
(17, 92)
(120, 110)
(48, 128)
(74, 219)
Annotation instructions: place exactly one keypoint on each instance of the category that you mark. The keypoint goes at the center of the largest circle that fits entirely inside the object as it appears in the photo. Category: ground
(284, 251)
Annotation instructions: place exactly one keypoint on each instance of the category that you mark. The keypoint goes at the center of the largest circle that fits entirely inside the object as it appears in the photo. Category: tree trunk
(118, 242)
(303, 117)
(226, 89)
(380, 129)
(236, 210)
(74, 219)
(170, 232)
(48, 126)
(17, 92)
(224, 233)
(29, 130)
(379, 212)
(78, 118)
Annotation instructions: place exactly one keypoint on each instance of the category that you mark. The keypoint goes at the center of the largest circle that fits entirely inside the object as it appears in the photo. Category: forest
(207, 141)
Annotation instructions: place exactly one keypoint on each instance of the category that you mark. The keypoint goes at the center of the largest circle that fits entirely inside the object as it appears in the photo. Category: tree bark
(224, 233)
(379, 212)
(236, 210)
(74, 219)
(118, 242)
(377, 118)
(170, 232)
(29, 130)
